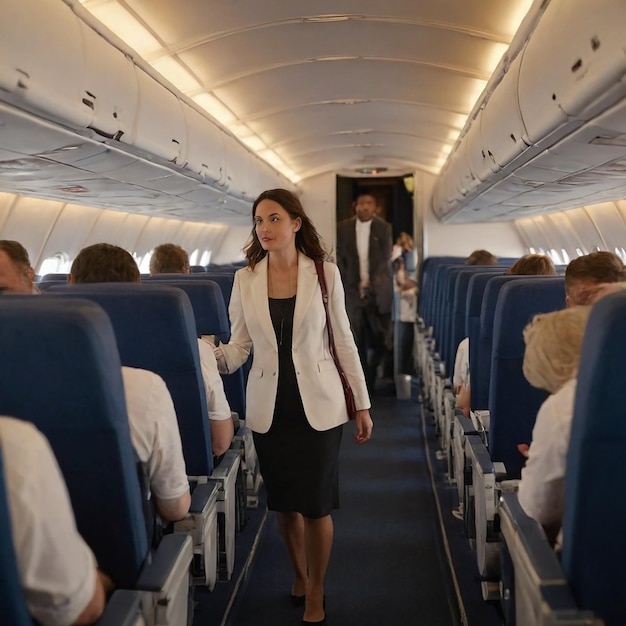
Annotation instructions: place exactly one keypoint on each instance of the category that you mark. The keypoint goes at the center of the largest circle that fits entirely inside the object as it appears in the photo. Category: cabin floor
(389, 563)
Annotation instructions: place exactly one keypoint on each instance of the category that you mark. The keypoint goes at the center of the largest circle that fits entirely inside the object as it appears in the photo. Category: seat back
(458, 311)
(212, 319)
(207, 303)
(63, 374)
(155, 330)
(12, 601)
(594, 542)
(426, 273)
(513, 401)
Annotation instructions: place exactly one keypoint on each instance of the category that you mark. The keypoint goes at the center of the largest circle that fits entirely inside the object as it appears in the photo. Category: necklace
(282, 304)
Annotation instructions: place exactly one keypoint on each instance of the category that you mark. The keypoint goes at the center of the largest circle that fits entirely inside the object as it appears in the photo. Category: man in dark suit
(364, 260)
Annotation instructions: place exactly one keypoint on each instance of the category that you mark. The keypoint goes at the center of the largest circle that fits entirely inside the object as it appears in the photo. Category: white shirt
(57, 568)
(363, 230)
(154, 432)
(461, 376)
(217, 404)
(542, 486)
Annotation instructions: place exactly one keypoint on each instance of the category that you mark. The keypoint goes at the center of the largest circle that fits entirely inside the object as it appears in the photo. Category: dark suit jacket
(379, 263)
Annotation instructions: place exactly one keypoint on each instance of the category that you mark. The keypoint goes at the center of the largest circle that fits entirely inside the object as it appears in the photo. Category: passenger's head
(481, 257)
(168, 258)
(104, 263)
(553, 342)
(16, 273)
(584, 275)
(278, 218)
(405, 241)
(533, 265)
(365, 206)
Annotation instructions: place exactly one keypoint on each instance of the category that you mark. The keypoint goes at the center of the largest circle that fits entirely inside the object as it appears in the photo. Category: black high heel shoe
(297, 600)
(321, 622)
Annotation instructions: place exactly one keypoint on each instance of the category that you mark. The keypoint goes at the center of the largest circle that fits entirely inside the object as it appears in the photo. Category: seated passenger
(103, 263)
(168, 258)
(553, 343)
(533, 265)
(16, 273)
(57, 569)
(481, 257)
(584, 275)
(529, 265)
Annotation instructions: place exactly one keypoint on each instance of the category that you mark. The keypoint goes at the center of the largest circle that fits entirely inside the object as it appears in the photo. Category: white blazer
(318, 379)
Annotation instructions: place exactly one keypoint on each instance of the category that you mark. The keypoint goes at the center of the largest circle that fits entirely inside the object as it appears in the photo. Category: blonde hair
(553, 343)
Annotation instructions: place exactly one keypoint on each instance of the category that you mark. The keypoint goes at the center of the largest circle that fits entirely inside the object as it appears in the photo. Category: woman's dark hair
(307, 238)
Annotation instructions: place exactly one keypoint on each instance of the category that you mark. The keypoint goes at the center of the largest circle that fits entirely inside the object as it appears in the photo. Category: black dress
(297, 462)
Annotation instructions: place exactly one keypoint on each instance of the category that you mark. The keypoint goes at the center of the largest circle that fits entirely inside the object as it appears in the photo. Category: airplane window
(206, 257)
(193, 257)
(554, 255)
(579, 252)
(532, 250)
(56, 264)
(565, 256)
(144, 266)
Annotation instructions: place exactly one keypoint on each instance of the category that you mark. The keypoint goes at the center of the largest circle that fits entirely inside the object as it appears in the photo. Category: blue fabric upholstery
(513, 402)
(594, 542)
(207, 303)
(63, 374)
(12, 602)
(427, 272)
(458, 312)
(155, 330)
(212, 319)
(223, 279)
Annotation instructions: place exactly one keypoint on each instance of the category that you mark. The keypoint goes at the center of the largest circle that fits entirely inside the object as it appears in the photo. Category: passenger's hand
(364, 426)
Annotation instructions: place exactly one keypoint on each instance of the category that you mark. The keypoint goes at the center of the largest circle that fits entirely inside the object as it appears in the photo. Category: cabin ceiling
(299, 89)
(332, 86)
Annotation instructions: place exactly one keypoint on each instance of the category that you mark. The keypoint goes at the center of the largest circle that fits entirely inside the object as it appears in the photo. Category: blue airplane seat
(197, 269)
(513, 401)
(207, 303)
(66, 353)
(594, 542)
(12, 602)
(212, 319)
(225, 280)
(458, 313)
(155, 330)
(51, 279)
(427, 270)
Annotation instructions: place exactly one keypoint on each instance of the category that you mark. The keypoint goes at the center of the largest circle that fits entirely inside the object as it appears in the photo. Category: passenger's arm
(156, 438)
(173, 509)
(222, 429)
(542, 483)
(94, 609)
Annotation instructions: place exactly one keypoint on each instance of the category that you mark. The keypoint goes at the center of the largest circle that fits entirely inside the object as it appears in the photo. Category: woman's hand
(364, 426)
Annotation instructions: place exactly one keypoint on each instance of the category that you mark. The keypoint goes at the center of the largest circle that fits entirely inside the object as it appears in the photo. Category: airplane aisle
(387, 565)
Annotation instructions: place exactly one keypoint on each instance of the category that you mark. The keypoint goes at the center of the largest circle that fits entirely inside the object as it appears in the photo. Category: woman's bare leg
(291, 528)
(318, 541)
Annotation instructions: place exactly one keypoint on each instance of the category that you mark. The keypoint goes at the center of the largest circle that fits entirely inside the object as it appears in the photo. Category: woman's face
(274, 226)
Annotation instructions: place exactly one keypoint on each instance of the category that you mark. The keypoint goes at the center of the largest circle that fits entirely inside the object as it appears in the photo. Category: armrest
(203, 495)
(122, 609)
(172, 551)
(542, 593)
(465, 424)
(479, 454)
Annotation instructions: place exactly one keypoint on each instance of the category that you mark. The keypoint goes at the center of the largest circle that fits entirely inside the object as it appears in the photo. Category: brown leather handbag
(347, 390)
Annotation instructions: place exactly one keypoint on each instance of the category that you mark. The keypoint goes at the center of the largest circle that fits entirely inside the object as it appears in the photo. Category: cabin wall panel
(319, 199)
(229, 246)
(30, 222)
(585, 230)
(107, 228)
(609, 222)
(564, 234)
